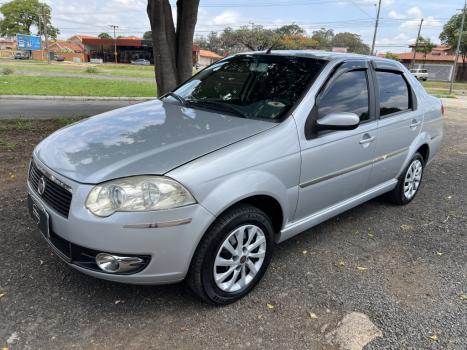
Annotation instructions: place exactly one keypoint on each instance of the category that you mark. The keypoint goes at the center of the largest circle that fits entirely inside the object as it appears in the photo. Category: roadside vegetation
(122, 70)
(65, 86)
(441, 88)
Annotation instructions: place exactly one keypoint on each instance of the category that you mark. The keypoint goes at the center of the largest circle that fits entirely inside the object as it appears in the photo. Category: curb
(74, 98)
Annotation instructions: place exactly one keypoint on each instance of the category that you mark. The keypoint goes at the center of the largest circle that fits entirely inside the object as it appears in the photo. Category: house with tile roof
(439, 62)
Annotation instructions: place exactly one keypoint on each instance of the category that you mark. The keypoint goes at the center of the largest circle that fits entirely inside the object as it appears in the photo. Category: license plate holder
(40, 216)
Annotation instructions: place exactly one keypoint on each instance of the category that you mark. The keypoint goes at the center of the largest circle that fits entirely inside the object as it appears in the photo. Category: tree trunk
(172, 47)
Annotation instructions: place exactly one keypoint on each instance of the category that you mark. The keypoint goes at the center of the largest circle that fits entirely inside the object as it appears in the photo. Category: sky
(398, 25)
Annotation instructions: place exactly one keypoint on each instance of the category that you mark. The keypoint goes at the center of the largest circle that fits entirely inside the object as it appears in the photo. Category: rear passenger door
(336, 165)
(399, 121)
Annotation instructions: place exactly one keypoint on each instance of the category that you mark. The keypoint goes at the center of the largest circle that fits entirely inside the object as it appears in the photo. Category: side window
(393, 93)
(348, 93)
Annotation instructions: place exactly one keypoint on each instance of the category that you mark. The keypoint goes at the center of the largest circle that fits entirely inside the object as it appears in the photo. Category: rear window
(393, 93)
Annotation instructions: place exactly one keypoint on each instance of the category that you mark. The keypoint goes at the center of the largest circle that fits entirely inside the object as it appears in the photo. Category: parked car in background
(21, 55)
(141, 62)
(203, 182)
(420, 74)
(59, 58)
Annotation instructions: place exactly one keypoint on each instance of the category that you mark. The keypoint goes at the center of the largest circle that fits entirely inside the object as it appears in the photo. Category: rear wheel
(409, 181)
(233, 255)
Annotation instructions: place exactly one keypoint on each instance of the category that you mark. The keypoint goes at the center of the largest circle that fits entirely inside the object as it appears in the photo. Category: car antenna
(268, 51)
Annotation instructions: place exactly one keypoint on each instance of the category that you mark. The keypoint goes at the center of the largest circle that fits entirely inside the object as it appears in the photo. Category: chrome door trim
(353, 168)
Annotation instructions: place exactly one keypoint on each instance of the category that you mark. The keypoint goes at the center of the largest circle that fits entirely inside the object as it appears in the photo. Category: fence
(7, 53)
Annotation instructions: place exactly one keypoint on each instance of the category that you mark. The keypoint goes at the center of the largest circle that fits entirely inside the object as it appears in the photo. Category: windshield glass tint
(252, 86)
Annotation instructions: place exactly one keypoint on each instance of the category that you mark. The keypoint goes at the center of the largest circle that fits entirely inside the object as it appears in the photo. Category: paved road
(27, 108)
(414, 289)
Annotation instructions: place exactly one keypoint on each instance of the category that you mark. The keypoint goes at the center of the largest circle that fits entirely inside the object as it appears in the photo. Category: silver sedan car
(200, 184)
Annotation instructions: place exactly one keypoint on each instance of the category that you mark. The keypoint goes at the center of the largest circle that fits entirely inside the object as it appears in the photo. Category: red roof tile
(420, 56)
(209, 54)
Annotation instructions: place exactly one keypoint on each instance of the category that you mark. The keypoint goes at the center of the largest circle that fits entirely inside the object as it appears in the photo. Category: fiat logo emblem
(41, 186)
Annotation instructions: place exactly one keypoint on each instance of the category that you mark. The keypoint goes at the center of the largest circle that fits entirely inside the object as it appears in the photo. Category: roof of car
(326, 55)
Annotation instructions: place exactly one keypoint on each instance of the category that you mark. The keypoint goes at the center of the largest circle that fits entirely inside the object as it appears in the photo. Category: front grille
(58, 197)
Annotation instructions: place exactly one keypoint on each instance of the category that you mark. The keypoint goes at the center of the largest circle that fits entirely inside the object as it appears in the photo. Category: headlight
(137, 193)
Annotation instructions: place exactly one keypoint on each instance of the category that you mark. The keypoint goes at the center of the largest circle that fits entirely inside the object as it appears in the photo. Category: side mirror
(338, 121)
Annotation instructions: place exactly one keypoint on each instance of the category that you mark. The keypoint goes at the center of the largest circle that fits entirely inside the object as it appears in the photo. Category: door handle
(367, 139)
(415, 123)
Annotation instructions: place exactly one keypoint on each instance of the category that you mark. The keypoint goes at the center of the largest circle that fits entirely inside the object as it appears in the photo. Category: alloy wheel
(239, 259)
(413, 178)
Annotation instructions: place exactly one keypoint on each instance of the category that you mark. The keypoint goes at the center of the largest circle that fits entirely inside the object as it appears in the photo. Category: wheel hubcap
(239, 258)
(413, 178)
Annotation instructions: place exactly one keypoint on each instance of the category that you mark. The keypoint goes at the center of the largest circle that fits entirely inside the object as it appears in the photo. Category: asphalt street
(56, 108)
(390, 277)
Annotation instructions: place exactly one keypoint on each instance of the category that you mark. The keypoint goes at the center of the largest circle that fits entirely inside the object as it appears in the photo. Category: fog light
(118, 264)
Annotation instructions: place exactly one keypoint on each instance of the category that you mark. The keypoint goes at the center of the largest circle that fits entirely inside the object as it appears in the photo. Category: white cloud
(226, 18)
(395, 15)
(415, 12)
(399, 39)
(429, 22)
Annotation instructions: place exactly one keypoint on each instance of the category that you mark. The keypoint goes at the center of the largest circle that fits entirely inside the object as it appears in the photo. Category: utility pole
(114, 27)
(376, 28)
(416, 44)
(459, 40)
(46, 36)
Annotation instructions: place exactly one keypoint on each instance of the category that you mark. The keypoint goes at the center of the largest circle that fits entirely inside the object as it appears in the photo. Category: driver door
(336, 165)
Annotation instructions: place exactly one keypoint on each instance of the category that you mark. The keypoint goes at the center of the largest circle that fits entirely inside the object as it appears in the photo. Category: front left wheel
(232, 256)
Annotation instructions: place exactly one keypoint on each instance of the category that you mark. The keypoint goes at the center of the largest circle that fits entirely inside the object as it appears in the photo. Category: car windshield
(251, 86)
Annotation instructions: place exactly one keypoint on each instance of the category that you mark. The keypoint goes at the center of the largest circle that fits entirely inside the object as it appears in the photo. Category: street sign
(28, 42)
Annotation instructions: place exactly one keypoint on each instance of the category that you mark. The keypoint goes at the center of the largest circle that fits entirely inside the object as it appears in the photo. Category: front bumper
(169, 249)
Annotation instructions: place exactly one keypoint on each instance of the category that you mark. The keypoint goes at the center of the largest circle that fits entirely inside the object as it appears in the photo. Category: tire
(242, 220)
(400, 194)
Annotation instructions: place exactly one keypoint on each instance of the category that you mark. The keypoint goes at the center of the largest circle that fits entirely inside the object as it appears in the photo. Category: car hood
(148, 138)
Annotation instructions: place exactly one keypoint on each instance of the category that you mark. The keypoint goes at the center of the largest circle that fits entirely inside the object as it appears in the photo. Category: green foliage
(353, 42)
(450, 34)
(147, 35)
(391, 56)
(290, 30)
(19, 16)
(425, 45)
(104, 36)
(291, 37)
(324, 38)
(91, 70)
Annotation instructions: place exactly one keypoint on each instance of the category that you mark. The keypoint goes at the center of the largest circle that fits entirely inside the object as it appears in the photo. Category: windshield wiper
(177, 97)
(222, 105)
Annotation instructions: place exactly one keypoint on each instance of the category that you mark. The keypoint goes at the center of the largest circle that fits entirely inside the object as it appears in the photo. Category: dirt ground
(403, 267)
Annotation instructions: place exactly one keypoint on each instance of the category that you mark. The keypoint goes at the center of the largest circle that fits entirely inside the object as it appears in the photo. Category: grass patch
(64, 86)
(444, 96)
(62, 122)
(91, 70)
(124, 70)
(7, 71)
(16, 125)
(9, 145)
(444, 84)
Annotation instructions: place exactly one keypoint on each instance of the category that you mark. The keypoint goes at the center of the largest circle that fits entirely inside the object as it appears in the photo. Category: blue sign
(28, 42)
